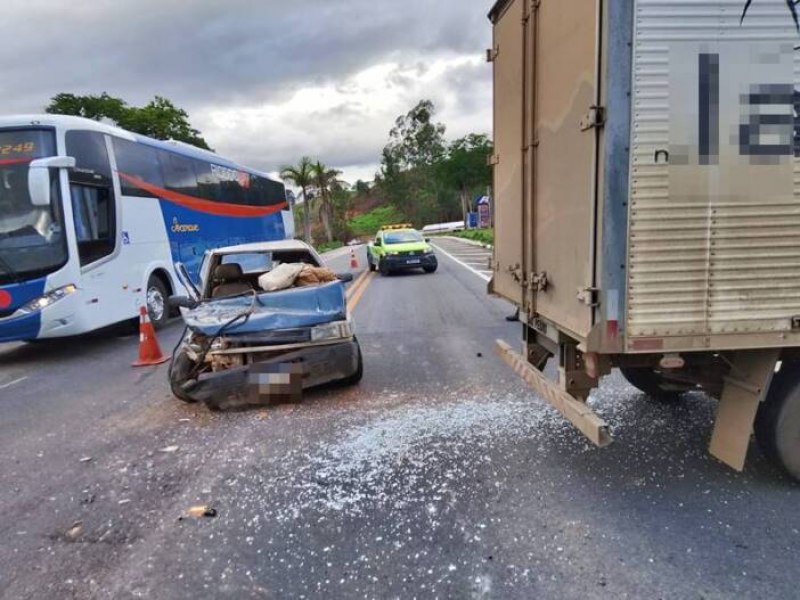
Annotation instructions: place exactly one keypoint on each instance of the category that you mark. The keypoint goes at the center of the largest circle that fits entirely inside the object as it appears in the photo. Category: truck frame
(647, 207)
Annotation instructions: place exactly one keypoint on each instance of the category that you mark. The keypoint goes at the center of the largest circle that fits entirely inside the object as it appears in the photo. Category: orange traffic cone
(353, 259)
(149, 350)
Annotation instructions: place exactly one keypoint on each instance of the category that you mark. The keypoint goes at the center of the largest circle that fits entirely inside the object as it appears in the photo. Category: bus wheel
(777, 423)
(157, 302)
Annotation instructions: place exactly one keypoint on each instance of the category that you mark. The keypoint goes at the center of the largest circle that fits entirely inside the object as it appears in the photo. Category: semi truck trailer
(647, 207)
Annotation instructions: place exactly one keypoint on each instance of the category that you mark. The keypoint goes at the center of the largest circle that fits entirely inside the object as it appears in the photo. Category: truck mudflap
(745, 388)
(286, 375)
(576, 412)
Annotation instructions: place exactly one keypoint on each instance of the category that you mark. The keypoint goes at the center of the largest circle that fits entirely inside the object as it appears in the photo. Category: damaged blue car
(266, 321)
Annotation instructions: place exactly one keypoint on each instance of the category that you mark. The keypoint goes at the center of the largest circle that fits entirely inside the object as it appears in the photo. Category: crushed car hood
(285, 309)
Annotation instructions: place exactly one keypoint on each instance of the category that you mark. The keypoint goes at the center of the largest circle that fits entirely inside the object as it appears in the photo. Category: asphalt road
(439, 476)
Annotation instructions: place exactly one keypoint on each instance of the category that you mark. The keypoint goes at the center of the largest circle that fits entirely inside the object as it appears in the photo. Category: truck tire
(179, 371)
(777, 423)
(650, 382)
(372, 267)
(156, 301)
(384, 269)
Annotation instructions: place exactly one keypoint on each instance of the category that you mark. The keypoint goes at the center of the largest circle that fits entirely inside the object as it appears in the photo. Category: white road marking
(10, 383)
(463, 264)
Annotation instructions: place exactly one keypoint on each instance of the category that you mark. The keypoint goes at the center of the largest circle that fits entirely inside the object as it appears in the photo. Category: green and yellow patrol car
(400, 247)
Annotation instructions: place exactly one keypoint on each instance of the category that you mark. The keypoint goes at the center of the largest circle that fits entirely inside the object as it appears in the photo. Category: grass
(484, 236)
(328, 246)
(368, 223)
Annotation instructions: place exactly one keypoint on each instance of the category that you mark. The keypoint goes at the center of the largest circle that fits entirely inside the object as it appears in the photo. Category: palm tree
(326, 180)
(302, 176)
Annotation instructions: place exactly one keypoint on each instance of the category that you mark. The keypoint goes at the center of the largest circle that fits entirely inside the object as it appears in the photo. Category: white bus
(93, 218)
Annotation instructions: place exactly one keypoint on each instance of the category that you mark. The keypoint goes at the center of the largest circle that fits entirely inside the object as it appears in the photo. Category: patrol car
(400, 247)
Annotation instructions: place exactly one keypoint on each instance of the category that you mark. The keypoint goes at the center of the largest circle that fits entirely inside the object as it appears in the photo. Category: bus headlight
(47, 299)
(332, 331)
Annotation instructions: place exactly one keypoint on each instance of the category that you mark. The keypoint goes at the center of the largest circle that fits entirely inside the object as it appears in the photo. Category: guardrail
(441, 227)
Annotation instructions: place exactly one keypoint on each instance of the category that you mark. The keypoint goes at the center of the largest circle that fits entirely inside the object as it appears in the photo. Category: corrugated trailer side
(658, 208)
(714, 248)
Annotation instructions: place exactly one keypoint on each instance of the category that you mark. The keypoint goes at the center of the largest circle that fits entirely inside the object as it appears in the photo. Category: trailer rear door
(508, 132)
(564, 71)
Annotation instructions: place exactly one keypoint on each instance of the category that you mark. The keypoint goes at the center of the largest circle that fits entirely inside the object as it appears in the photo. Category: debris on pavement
(169, 449)
(201, 510)
(86, 459)
(74, 531)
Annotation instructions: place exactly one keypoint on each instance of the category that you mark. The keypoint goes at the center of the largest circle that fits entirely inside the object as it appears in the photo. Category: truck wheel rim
(155, 303)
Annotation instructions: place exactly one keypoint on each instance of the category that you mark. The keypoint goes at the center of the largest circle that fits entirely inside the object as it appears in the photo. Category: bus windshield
(32, 240)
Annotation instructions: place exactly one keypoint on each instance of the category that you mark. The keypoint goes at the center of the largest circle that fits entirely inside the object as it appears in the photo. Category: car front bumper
(396, 263)
(283, 375)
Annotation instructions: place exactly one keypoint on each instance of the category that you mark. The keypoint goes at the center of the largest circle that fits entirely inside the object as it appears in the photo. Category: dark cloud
(231, 55)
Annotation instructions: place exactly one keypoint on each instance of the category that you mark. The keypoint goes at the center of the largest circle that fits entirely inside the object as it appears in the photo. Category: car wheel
(156, 298)
(430, 268)
(359, 373)
(179, 371)
(384, 269)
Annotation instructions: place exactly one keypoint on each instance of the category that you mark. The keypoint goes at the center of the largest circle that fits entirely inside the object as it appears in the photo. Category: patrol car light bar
(401, 226)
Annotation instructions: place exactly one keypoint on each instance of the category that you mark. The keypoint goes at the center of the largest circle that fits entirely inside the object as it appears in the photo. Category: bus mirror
(39, 186)
(39, 177)
(344, 277)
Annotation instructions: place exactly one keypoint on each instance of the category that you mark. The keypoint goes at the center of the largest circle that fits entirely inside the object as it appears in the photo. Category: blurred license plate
(413, 261)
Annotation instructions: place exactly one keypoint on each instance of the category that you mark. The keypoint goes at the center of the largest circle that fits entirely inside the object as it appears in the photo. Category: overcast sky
(265, 81)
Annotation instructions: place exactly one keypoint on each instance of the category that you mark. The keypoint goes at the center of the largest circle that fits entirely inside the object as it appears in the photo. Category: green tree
(159, 118)
(302, 175)
(90, 107)
(465, 167)
(361, 188)
(326, 181)
(408, 164)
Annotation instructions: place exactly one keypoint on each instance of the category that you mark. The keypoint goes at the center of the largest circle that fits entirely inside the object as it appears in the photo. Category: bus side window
(265, 192)
(137, 163)
(92, 196)
(179, 175)
(208, 185)
(93, 215)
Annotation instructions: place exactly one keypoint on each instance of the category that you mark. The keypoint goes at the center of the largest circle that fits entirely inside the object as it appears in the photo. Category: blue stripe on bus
(25, 327)
(192, 232)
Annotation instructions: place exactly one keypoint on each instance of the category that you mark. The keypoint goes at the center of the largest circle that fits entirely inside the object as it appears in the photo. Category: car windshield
(32, 240)
(251, 262)
(402, 237)
(260, 262)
